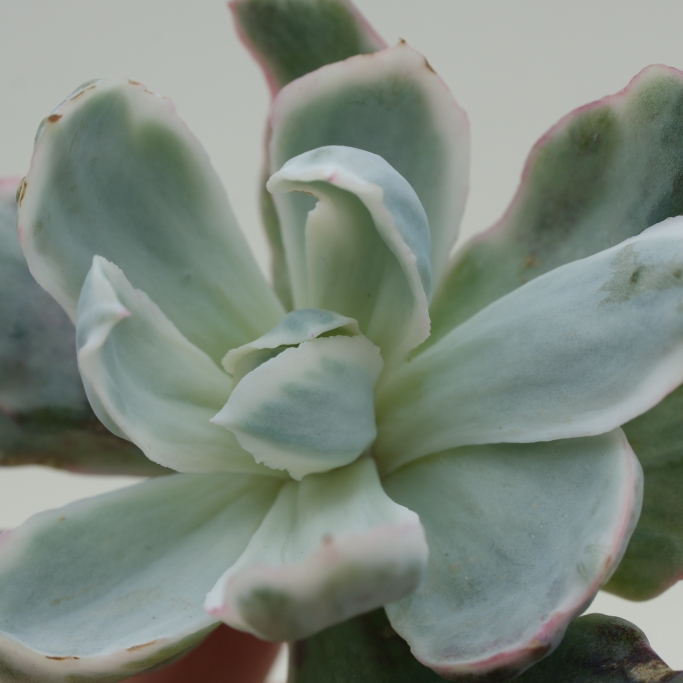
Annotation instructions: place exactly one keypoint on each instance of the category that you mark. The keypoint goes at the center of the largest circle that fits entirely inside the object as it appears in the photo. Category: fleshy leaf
(147, 383)
(521, 537)
(331, 547)
(68, 441)
(603, 174)
(595, 649)
(106, 587)
(367, 643)
(309, 409)
(363, 251)
(289, 38)
(115, 173)
(37, 351)
(602, 649)
(392, 104)
(45, 418)
(578, 351)
(295, 328)
(654, 557)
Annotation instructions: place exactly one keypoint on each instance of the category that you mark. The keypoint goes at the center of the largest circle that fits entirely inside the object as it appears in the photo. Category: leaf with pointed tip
(602, 649)
(604, 173)
(654, 557)
(290, 38)
(45, 418)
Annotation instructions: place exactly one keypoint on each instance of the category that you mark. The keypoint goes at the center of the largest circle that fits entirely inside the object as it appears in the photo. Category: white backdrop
(515, 67)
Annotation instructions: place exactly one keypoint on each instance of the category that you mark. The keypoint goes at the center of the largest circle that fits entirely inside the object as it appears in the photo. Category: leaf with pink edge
(332, 546)
(521, 537)
(604, 173)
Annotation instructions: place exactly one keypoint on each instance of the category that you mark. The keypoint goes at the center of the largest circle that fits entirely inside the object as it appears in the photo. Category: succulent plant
(389, 426)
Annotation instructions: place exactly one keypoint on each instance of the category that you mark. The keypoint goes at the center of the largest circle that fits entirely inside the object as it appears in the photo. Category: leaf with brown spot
(134, 648)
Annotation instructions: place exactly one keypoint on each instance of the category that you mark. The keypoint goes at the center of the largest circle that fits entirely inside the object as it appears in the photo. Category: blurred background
(516, 68)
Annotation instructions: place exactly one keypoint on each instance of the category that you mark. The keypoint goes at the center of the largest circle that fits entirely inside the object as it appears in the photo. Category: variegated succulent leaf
(290, 38)
(602, 174)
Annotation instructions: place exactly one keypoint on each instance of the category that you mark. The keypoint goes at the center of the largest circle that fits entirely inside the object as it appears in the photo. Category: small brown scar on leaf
(60, 659)
(82, 92)
(133, 82)
(401, 41)
(530, 261)
(21, 191)
(61, 519)
(53, 118)
(139, 647)
(429, 66)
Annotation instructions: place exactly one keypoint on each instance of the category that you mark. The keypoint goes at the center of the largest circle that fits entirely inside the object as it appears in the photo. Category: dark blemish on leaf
(21, 191)
(631, 277)
(133, 82)
(82, 92)
(429, 66)
(139, 647)
(61, 519)
(60, 659)
(530, 261)
(53, 118)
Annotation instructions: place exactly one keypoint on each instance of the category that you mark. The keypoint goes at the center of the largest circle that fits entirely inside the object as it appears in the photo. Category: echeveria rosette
(330, 459)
